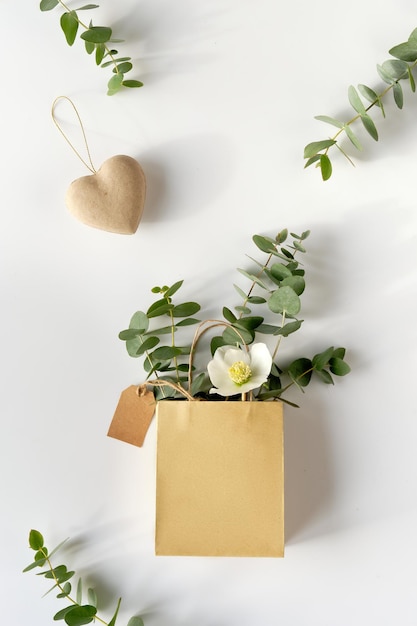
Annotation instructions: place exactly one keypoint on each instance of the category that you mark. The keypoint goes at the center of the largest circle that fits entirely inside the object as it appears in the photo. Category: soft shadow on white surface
(204, 163)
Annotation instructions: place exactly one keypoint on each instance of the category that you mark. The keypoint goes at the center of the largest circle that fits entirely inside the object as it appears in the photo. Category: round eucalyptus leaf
(284, 300)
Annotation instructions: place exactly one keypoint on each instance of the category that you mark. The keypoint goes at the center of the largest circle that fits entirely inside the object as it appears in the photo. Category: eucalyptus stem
(76, 613)
(392, 71)
(96, 39)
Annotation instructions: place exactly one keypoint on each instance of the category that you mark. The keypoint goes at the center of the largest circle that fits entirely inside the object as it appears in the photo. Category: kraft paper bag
(220, 479)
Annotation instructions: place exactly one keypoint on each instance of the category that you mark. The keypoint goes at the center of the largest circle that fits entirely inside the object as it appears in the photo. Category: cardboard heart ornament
(112, 198)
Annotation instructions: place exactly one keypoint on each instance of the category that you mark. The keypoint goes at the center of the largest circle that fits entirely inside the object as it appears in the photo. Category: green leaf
(160, 307)
(368, 123)
(355, 100)
(34, 564)
(268, 329)
(231, 336)
(314, 159)
(296, 282)
(139, 321)
(69, 24)
(36, 541)
(41, 554)
(132, 346)
(66, 588)
(398, 95)
(339, 367)
(97, 34)
(249, 323)
(92, 596)
(369, 94)
(113, 619)
(147, 345)
(135, 621)
(282, 236)
(90, 47)
(245, 310)
(384, 75)
(351, 135)
(280, 271)
(329, 120)
(314, 147)
(412, 81)
(256, 300)
(413, 36)
(228, 315)
(395, 68)
(60, 573)
(264, 243)
(240, 291)
(123, 67)
(406, 51)
(199, 383)
(100, 52)
(289, 328)
(132, 83)
(253, 278)
(165, 353)
(79, 592)
(339, 353)
(325, 166)
(215, 343)
(325, 376)
(80, 615)
(321, 360)
(174, 288)
(129, 333)
(113, 61)
(88, 6)
(284, 300)
(114, 85)
(48, 5)
(300, 371)
(186, 309)
(62, 613)
(189, 321)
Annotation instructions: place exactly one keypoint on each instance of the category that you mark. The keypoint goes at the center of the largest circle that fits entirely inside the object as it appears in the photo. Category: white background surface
(231, 88)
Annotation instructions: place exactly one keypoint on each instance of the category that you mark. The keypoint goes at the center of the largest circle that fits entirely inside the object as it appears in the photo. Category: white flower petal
(258, 358)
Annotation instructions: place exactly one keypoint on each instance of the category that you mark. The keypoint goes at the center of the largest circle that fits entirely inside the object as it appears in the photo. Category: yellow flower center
(240, 372)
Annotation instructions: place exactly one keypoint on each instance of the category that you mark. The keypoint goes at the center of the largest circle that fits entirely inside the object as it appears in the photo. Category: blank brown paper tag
(133, 415)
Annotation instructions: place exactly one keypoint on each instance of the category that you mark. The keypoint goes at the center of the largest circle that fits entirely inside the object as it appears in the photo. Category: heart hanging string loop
(91, 166)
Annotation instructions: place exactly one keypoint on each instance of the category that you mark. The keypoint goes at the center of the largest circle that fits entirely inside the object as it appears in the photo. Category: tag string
(88, 166)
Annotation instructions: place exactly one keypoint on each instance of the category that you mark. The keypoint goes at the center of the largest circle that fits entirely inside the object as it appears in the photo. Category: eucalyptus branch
(392, 71)
(276, 288)
(76, 613)
(97, 39)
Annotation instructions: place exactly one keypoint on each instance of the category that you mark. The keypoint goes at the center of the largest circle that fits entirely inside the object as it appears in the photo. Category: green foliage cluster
(97, 40)
(76, 613)
(162, 358)
(392, 71)
(275, 289)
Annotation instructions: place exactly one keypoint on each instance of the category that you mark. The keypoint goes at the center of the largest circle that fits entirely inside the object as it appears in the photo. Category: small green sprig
(274, 290)
(162, 358)
(278, 284)
(97, 39)
(392, 71)
(76, 613)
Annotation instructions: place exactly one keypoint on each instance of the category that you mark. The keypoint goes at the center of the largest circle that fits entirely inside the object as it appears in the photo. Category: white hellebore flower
(234, 370)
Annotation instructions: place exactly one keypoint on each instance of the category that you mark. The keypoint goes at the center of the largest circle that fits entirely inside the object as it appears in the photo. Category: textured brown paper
(220, 479)
(133, 415)
(111, 199)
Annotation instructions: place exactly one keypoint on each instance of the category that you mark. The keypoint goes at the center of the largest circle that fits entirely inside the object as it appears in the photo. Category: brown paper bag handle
(162, 383)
